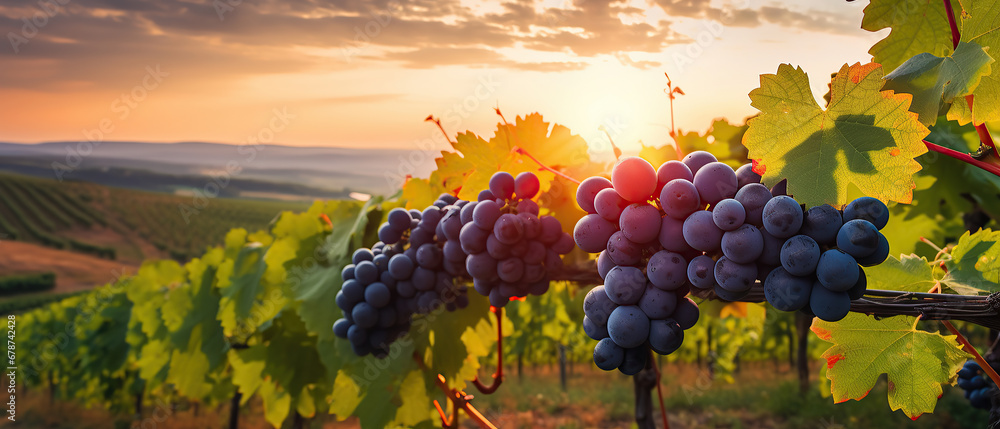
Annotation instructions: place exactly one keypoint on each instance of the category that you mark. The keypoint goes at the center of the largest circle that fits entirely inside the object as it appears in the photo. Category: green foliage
(935, 82)
(916, 28)
(10, 285)
(866, 137)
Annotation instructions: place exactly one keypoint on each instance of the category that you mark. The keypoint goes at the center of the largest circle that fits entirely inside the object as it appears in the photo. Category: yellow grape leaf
(866, 137)
(916, 362)
(980, 20)
(657, 156)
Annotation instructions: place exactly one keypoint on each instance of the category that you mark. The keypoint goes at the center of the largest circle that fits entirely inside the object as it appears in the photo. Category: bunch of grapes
(635, 222)
(821, 252)
(412, 270)
(976, 385)
(511, 249)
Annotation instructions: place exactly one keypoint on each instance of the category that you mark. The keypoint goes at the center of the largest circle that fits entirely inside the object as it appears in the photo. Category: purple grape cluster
(411, 271)
(813, 258)
(511, 249)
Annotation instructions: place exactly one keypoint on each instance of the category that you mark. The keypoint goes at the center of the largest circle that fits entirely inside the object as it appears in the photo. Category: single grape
(508, 228)
(743, 245)
(635, 360)
(399, 218)
(782, 216)
(734, 276)
(587, 190)
(429, 256)
(628, 326)
(671, 235)
(452, 252)
(551, 230)
(787, 292)
(800, 255)
(858, 237)
(365, 315)
(594, 330)
(745, 175)
(686, 314)
(671, 170)
(604, 263)
(565, 244)
(340, 328)
(502, 185)
(700, 231)
(666, 270)
(625, 285)
(598, 306)
(527, 206)
(348, 272)
(366, 272)
(526, 185)
(607, 354)
(473, 238)
(837, 270)
(423, 279)
(361, 255)
(357, 335)
(695, 160)
(754, 197)
(634, 179)
(679, 198)
(869, 209)
(623, 251)
(829, 305)
(451, 226)
(715, 182)
(609, 204)
(879, 255)
(701, 272)
(481, 266)
(510, 269)
(728, 214)
(377, 294)
(860, 287)
(665, 336)
(466, 213)
(822, 223)
(429, 218)
(657, 303)
(486, 195)
(486, 214)
(592, 233)
(640, 222)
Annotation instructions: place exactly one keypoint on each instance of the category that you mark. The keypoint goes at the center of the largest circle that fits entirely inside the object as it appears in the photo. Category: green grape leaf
(916, 362)
(917, 27)
(981, 24)
(247, 302)
(906, 226)
(935, 81)
(954, 187)
(908, 273)
(866, 137)
(974, 267)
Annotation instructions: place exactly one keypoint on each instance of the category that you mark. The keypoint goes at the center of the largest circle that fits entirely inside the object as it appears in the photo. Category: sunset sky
(360, 73)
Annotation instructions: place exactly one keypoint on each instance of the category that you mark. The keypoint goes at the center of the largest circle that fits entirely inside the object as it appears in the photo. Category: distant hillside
(124, 225)
(170, 165)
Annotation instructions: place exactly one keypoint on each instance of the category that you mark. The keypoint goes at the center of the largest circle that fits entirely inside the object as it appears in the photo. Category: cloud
(98, 44)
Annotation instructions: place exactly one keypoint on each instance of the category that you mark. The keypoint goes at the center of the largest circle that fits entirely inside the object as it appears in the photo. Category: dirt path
(74, 271)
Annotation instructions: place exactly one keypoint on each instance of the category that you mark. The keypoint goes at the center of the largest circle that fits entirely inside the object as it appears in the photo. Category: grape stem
(984, 133)
(673, 131)
(437, 121)
(964, 157)
(519, 149)
(458, 399)
(987, 368)
(497, 376)
(659, 391)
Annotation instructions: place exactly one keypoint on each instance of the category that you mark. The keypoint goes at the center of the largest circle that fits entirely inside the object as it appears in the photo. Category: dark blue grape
(869, 209)
(787, 292)
(608, 355)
